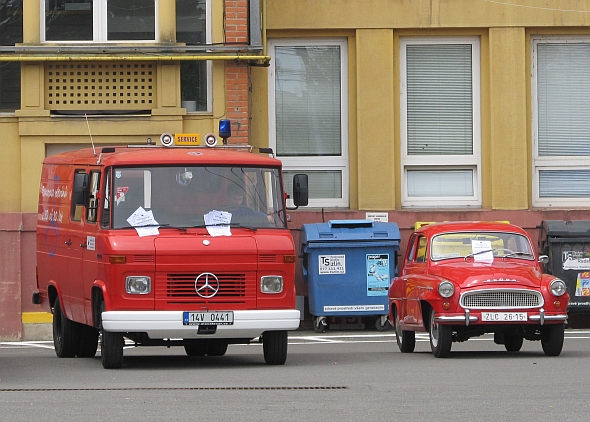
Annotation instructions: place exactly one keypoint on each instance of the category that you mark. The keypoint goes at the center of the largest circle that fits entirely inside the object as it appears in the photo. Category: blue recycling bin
(348, 265)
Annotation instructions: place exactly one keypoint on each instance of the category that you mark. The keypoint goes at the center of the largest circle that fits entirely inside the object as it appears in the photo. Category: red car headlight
(557, 287)
(446, 289)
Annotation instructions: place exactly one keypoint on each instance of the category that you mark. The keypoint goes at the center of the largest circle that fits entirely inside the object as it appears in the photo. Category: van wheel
(111, 347)
(66, 333)
(196, 349)
(88, 341)
(274, 346)
(216, 348)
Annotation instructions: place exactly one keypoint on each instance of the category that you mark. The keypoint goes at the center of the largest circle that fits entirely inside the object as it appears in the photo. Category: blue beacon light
(224, 130)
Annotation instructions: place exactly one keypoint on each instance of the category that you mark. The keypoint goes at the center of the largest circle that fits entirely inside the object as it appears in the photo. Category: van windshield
(181, 196)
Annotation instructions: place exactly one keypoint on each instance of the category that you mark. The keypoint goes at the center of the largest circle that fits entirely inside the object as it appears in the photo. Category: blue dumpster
(348, 265)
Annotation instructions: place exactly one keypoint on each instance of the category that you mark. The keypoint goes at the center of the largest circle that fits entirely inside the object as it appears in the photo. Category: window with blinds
(561, 119)
(439, 114)
(307, 115)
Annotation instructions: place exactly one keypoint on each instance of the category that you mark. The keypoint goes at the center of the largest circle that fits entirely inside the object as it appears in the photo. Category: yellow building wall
(504, 29)
(374, 117)
(508, 153)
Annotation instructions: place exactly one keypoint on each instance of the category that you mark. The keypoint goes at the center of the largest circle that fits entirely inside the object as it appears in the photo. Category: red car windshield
(471, 244)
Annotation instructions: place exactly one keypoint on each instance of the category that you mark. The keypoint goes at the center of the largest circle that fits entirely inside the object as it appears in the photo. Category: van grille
(180, 289)
(501, 299)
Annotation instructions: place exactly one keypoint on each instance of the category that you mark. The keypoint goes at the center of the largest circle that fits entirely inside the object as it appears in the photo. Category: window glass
(68, 21)
(11, 32)
(191, 21)
(92, 210)
(99, 20)
(307, 113)
(421, 252)
(131, 20)
(561, 137)
(439, 111)
(437, 183)
(193, 84)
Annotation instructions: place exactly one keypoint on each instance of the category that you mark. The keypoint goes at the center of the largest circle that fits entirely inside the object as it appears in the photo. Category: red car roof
(460, 226)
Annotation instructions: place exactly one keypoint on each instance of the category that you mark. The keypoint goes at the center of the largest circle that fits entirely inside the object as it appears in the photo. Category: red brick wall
(237, 74)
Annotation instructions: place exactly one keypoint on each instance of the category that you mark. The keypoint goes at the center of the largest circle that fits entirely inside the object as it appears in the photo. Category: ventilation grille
(502, 299)
(100, 86)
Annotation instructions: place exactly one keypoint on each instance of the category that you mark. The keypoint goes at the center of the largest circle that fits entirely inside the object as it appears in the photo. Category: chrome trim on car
(456, 318)
(543, 318)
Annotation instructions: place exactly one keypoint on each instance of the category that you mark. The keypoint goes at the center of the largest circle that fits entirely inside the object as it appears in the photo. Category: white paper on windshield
(478, 247)
(217, 223)
(144, 222)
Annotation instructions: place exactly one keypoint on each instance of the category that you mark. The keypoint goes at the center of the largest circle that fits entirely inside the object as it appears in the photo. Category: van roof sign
(185, 139)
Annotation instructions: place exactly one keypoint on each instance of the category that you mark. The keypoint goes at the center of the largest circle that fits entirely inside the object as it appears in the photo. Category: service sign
(185, 139)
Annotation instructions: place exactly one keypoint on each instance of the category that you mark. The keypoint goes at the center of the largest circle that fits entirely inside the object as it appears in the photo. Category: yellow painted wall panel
(335, 14)
(375, 109)
(508, 148)
(10, 185)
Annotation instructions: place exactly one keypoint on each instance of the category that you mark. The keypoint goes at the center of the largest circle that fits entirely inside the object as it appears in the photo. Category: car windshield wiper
(472, 254)
(203, 225)
(518, 254)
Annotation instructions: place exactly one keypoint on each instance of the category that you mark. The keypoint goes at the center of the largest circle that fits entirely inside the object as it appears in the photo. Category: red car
(464, 279)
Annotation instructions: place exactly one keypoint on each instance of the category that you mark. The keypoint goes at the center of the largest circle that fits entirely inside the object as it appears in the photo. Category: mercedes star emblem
(207, 285)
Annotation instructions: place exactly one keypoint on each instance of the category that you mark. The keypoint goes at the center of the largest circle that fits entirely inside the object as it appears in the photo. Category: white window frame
(99, 26)
(305, 163)
(552, 162)
(442, 162)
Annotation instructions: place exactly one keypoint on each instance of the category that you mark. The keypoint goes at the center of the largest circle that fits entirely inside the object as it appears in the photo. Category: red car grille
(180, 289)
(501, 299)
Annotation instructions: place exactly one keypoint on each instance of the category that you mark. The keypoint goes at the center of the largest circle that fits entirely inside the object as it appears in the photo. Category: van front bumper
(168, 324)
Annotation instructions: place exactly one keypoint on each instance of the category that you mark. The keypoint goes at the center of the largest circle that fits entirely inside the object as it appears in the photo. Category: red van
(152, 244)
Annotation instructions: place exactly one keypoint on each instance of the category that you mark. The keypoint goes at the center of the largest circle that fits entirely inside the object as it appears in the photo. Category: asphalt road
(335, 376)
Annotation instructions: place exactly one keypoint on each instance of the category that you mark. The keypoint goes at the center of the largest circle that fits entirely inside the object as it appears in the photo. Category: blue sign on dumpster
(348, 265)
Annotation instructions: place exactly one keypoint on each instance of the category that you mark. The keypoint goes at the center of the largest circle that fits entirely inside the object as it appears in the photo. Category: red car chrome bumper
(467, 319)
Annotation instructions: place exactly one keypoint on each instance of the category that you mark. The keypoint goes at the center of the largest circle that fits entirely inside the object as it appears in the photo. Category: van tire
(196, 349)
(216, 348)
(88, 341)
(111, 347)
(274, 346)
(66, 333)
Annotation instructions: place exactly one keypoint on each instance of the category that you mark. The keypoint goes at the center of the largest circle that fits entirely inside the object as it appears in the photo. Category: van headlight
(138, 285)
(557, 287)
(446, 289)
(271, 284)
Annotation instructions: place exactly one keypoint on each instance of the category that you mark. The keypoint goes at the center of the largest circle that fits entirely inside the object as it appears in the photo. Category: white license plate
(208, 318)
(503, 316)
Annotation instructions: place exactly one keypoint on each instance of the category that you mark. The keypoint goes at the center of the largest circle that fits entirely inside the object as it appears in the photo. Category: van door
(73, 285)
(90, 261)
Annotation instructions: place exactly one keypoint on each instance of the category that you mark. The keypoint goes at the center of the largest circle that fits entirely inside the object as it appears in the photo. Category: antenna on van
(90, 133)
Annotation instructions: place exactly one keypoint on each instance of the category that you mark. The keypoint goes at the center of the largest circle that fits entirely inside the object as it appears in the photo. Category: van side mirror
(544, 259)
(80, 194)
(300, 190)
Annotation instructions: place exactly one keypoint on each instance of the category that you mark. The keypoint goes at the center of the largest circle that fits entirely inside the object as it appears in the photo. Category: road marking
(314, 339)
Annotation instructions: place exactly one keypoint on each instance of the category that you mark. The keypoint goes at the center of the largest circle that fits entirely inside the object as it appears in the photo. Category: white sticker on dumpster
(354, 308)
(332, 264)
